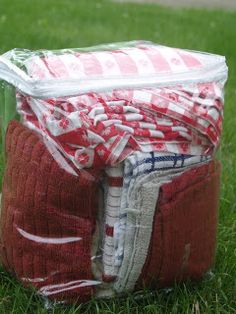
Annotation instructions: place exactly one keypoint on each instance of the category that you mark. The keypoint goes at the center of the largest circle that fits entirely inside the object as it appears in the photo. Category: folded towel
(117, 124)
(48, 219)
(114, 184)
(184, 228)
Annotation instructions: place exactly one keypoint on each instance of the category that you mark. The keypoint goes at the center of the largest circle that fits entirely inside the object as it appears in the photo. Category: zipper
(47, 88)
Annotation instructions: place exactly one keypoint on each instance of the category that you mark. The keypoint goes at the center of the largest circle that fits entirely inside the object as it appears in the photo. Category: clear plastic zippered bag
(109, 160)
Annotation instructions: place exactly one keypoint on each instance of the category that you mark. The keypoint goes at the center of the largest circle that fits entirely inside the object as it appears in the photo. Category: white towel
(142, 202)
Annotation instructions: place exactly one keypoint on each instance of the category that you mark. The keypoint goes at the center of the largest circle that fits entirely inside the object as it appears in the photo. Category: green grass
(58, 24)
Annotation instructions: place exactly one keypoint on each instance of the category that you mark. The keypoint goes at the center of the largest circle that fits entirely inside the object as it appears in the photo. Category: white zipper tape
(47, 88)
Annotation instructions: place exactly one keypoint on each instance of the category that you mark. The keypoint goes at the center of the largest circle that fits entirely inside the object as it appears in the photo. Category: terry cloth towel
(48, 219)
(103, 128)
(184, 228)
(120, 182)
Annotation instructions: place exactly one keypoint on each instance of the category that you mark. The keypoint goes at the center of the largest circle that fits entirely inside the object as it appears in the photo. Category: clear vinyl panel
(110, 181)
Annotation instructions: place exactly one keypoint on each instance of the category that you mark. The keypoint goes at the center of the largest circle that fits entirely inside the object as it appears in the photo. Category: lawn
(58, 24)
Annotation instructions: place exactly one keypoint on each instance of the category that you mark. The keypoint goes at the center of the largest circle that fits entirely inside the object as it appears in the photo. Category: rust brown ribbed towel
(184, 228)
(48, 219)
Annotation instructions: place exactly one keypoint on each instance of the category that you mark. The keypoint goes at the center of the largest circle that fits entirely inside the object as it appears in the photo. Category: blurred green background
(51, 24)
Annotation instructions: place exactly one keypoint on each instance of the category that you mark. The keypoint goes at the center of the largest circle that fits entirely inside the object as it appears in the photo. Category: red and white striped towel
(103, 129)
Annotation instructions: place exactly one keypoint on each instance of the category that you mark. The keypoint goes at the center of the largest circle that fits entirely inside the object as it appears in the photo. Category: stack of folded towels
(112, 191)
